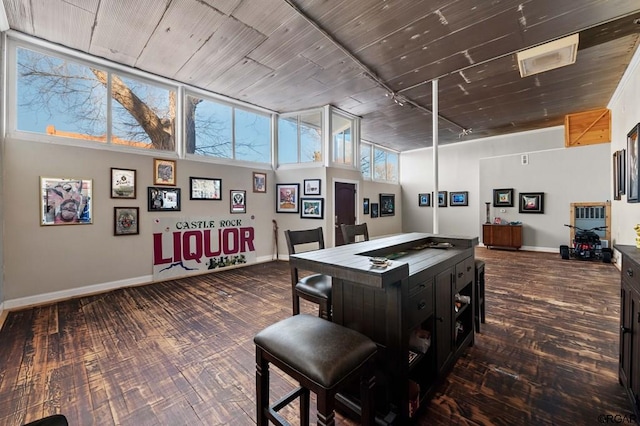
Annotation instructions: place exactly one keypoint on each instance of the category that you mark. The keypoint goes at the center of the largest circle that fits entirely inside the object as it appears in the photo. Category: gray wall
(483, 165)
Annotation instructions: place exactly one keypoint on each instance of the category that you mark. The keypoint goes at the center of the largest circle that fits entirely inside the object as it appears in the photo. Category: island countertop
(408, 254)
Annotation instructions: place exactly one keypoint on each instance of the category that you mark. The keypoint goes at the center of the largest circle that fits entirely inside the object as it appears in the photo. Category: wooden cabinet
(629, 367)
(507, 236)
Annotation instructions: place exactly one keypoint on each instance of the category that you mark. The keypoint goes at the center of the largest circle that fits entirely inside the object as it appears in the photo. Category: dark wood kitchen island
(418, 308)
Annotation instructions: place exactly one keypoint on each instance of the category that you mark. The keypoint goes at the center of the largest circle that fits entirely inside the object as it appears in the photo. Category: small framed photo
(238, 200)
(460, 198)
(312, 186)
(205, 189)
(287, 195)
(123, 183)
(66, 201)
(424, 200)
(365, 206)
(164, 172)
(387, 205)
(531, 202)
(259, 182)
(503, 197)
(633, 165)
(442, 199)
(125, 220)
(312, 208)
(374, 210)
(163, 199)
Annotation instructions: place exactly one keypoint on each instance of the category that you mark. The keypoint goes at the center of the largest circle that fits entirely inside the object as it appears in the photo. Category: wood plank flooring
(181, 352)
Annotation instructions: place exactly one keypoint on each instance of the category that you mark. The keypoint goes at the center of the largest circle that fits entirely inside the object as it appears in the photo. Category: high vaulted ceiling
(290, 55)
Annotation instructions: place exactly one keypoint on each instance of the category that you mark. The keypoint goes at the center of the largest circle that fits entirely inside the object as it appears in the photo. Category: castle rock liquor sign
(188, 246)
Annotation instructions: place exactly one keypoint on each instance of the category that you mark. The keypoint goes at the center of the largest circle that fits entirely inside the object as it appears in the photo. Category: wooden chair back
(350, 232)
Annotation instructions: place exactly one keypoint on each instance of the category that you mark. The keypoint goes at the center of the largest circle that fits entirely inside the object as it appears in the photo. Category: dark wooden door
(345, 207)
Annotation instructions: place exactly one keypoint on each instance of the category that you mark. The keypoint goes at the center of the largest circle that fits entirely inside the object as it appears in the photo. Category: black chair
(351, 232)
(53, 420)
(323, 357)
(315, 288)
(479, 300)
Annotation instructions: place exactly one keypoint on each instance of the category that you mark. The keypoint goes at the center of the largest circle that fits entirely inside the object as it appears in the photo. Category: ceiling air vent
(548, 56)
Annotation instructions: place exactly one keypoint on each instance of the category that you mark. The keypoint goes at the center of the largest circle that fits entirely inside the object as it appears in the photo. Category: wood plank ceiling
(290, 55)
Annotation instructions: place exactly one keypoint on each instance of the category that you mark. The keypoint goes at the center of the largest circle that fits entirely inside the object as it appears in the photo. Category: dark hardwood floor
(181, 352)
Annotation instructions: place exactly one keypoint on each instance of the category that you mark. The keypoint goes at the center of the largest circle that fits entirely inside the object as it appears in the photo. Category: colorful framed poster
(125, 220)
(238, 200)
(312, 208)
(164, 172)
(66, 201)
(531, 202)
(287, 195)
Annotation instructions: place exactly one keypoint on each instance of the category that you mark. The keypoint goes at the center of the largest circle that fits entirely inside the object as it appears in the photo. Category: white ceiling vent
(548, 56)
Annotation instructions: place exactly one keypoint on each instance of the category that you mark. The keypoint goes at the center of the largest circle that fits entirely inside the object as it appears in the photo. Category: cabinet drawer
(631, 272)
(420, 305)
(464, 273)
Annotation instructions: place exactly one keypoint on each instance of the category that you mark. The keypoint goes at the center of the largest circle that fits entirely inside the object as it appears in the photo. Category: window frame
(323, 148)
(371, 175)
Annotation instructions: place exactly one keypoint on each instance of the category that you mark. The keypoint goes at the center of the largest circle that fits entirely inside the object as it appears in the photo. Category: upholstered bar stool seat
(323, 357)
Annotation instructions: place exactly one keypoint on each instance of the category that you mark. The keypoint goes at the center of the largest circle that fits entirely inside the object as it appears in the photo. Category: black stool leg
(304, 407)
(367, 395)
(262, 388)
(326, 408)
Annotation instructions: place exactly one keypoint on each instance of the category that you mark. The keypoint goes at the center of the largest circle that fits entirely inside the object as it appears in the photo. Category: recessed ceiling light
(548, 56)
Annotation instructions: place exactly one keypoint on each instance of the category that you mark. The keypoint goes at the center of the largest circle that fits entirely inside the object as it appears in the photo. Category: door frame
(357, 208)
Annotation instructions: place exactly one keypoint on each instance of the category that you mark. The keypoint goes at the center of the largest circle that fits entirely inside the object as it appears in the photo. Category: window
(65, 98)
(365, 160)
(385, 163)
(300, 138)
(215, 129)
(342, 143)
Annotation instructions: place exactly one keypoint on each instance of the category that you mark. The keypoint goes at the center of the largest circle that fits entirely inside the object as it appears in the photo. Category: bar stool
(323, 357)
(479, 300)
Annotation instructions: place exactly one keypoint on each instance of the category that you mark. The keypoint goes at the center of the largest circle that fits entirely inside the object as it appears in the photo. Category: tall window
(384, 161)
(216, 129)
(65, 98)
(300, 138)
(342, 143)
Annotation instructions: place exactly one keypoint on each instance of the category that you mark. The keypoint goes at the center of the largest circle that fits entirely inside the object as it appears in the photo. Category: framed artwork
(164, 172)
(374, 209)
(205, 188)
(287, 195)
(238, 201)
(531, 202)
(617, 194)
(312, 186)
(125, 220)
(442, 199)
(365, 206)
(259, 182)
(633, 195)
(424, 200)
(503, 197)
(123, 183)
(387, 205)
(66, 201)
(163, 199)
(460, 198)
(312, 208)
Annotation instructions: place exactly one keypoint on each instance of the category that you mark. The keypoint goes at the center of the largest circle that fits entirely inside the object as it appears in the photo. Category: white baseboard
(40, 299)
(532, 248)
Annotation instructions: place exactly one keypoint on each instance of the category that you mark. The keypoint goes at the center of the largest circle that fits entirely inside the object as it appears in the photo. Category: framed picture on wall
(66, 201)
(374, 210)
(633, 189)
(460, 198)
(365, 206)
(164, 172)
(259, 182)
(503, 197)
(312, 186)
(311, 208)
(205, 188)
(531, 202)
(287, 195)
(238, 200)
(125, 220)
(163, 199)
(387, 205)
(424, 200)
(123, 183)
(442, 199)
